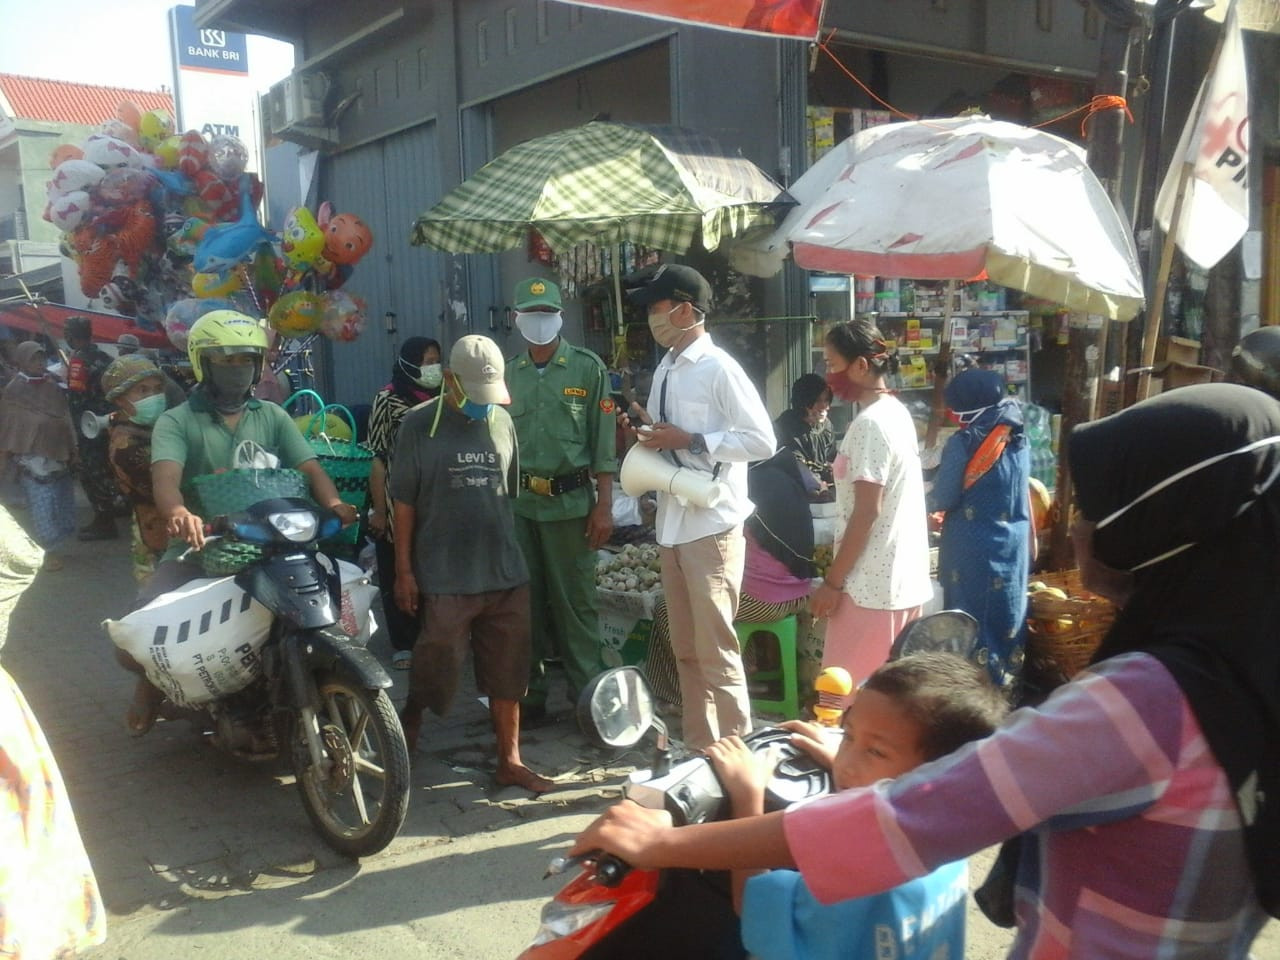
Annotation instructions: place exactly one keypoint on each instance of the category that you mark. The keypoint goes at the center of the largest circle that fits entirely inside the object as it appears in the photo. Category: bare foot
(142, 713)
(518, 775)
(411, 723)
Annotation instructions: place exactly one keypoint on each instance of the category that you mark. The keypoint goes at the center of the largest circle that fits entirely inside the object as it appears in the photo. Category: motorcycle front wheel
(358, 797)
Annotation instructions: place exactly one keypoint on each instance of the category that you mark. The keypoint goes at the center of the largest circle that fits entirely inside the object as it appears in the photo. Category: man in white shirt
(704, 414)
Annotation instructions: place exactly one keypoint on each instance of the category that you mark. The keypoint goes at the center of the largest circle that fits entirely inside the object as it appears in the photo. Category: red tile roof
(58, 101)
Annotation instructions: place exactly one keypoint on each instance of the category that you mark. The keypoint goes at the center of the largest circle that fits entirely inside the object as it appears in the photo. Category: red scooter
(610, 911)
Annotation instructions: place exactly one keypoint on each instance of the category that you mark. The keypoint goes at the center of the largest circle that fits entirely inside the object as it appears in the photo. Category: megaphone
(92, 424)
(644, 470)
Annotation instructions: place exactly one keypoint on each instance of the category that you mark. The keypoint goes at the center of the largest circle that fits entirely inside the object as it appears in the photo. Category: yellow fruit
(1056, 592)
(1035, 586)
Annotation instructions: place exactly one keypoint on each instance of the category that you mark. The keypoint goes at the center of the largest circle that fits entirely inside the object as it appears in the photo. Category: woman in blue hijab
(985, 553)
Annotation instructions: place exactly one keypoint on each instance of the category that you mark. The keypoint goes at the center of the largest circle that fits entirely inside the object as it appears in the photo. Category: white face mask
(539, 328)
(429, 375)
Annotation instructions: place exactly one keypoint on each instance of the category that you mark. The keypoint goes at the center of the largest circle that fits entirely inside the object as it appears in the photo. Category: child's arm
(744, 777)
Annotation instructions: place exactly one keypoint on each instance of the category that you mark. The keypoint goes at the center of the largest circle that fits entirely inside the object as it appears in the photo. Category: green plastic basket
(232, 491)
(224, 558)
(348, 465)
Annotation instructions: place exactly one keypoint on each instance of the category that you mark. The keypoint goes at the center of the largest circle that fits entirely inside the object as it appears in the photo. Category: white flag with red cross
(1215, 208)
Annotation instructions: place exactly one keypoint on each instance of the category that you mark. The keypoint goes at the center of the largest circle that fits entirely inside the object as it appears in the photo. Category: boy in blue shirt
(908, 712)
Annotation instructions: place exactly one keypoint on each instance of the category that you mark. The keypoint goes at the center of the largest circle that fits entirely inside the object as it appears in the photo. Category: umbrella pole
(941, 370)
(620, 331)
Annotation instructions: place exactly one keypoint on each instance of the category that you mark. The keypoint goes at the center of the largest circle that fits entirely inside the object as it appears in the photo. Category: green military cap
(537, 292)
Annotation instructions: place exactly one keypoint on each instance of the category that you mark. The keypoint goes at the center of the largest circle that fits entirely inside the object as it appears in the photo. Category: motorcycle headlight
(560, 920)
(300, 526)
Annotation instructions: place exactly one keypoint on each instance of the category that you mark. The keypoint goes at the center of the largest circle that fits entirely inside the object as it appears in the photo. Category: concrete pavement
(199, 854)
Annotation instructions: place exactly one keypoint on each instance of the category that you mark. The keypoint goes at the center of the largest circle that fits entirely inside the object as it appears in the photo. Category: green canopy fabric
(603, 182)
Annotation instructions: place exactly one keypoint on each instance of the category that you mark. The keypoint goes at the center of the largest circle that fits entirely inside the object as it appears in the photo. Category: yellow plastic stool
(784, 631)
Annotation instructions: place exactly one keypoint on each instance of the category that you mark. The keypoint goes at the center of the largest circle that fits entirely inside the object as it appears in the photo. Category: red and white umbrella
(948, 199)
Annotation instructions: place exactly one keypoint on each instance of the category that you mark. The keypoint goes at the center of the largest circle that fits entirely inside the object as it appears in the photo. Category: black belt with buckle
(555, 486)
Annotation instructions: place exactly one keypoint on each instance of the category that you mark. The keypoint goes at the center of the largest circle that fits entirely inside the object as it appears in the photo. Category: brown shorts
(497, 627)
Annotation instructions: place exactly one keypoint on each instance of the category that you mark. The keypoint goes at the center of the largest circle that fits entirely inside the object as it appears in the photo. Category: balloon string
(248, 283)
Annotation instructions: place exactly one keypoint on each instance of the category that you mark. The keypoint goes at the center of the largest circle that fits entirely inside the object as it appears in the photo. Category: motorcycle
(610, 911)
(320, 696)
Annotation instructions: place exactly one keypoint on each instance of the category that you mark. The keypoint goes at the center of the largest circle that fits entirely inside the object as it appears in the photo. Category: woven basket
(223, 558)
(348, 465)
(232, 491)
(1062, 635)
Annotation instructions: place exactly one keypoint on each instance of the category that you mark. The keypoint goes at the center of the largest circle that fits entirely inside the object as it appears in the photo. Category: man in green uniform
(564, 418)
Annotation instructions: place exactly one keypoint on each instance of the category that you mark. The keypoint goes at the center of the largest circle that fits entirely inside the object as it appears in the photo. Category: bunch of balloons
(163, 227)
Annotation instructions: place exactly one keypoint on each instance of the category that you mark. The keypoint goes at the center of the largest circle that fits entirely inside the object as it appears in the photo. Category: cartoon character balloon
(297, 314)
(344, 316)
(64, 151)
(153, 127)
(302, 241)
(347, 239)
(75, 175)
(70, 210)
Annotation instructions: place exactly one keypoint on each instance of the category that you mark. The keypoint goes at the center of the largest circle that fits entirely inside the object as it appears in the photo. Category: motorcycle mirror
(947, 631)
(616, 708)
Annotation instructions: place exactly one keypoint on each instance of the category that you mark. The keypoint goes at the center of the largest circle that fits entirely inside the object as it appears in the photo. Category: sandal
(402, 659)
(52, 563)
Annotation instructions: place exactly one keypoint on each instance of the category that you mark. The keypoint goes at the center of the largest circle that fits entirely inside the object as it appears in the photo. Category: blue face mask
(476, 411)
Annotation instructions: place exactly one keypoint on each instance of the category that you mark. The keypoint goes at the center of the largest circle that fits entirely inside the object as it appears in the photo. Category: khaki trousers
(700, 582)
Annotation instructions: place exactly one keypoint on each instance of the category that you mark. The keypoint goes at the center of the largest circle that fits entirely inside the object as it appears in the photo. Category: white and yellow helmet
(225, 332)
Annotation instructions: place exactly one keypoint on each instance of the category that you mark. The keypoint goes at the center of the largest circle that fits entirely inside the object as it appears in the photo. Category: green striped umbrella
(603, 183)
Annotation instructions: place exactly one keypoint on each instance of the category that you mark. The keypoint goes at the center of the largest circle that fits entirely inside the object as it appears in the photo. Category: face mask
(229, 385)
(1182, 474)
(476, 411)
(539, 328)
(842, 387)
(429, 375)
(147, 410)
(665, 333)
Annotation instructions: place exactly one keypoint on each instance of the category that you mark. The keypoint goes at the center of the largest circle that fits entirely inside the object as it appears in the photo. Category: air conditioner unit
(297, 100)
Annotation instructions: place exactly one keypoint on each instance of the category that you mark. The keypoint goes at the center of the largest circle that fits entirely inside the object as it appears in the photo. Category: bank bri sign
(205, 48)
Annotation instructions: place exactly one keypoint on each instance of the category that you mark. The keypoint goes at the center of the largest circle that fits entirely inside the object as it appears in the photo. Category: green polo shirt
(195, 435)
(565, 420)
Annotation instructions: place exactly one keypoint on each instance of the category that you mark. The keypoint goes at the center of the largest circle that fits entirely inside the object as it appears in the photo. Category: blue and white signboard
(205, 48)
(212, 90)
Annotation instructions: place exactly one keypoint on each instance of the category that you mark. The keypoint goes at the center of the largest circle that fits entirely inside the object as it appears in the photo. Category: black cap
(672, 281)
(77, 326)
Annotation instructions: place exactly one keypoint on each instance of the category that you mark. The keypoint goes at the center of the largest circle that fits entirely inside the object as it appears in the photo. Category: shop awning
(48, 318)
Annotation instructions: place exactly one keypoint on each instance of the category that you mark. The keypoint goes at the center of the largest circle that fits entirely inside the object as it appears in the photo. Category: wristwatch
(697, 444)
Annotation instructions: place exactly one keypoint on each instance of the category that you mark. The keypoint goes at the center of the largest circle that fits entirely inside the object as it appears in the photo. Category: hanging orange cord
(1099, 103)
(824, 46)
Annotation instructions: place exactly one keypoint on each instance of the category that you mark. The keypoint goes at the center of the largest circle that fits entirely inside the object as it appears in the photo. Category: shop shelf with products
(997, 340)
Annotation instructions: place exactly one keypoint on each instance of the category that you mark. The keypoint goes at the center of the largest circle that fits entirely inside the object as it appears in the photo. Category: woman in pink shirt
(1146, 790)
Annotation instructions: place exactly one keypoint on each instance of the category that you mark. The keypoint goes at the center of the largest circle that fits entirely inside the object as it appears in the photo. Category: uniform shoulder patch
(607, 405)
(574, 392)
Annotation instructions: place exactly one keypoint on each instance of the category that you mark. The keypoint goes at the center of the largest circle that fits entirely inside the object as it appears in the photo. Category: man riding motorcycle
(227, 351)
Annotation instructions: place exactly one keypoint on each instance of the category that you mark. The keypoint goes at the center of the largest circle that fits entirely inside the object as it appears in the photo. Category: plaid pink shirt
(1137, 847)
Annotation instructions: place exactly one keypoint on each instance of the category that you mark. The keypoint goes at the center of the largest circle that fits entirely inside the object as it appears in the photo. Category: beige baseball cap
(477, 363)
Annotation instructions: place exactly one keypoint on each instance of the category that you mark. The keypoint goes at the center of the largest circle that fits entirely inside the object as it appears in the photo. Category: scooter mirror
(947, 631)
(616, 708)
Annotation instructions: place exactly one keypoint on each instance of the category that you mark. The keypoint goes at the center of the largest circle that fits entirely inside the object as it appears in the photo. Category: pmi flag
(779, 18)
(1215, 141)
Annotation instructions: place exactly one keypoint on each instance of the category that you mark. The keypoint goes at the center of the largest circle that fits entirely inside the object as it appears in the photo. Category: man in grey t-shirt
(458, 565)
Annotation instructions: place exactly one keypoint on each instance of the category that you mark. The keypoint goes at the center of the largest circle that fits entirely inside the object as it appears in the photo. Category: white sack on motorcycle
(197, 643)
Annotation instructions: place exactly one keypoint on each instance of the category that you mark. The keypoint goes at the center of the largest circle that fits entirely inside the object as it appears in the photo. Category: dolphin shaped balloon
(226, 244)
